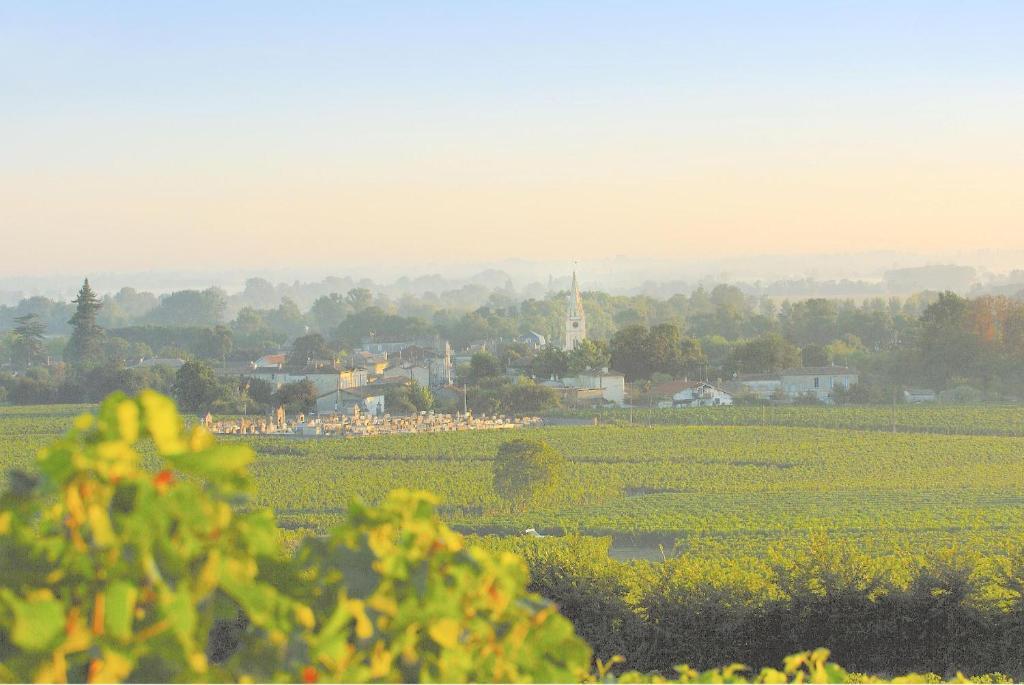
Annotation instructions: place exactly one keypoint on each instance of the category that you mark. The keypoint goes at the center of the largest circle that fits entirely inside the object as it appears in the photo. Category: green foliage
(589, 355)
(190, 308)
(521, 397)
(27, 344)
(123, 577)
(419, 606)
(742, 585)
(196, 387)
(484, 365)
(526, 472)
(128, 575)
(637, 352)
(407, 398)
(299, 396)
(309, 349)
(769, 353)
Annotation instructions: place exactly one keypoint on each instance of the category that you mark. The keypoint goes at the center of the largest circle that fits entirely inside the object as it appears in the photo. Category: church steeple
(575, 318)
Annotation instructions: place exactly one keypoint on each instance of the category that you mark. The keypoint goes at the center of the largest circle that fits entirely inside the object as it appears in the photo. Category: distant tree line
(969, 347)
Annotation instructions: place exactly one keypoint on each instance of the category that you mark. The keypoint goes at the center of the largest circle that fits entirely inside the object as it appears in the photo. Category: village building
(817, 382)
(465, 356)
(388, 347)
(366, 399)
(919, 396)
(574, 397)
(590, 388)
(271, 361)
(373, 364)
(760, 386)
(700, 394)
(324, 379)
(575, 318)
(431, 367)
(533, 340)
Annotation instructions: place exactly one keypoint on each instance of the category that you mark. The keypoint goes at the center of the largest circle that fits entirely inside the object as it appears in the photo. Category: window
(816, 382)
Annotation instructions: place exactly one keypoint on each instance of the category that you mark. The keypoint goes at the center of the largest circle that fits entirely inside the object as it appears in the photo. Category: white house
(701, 394)
(818, 382)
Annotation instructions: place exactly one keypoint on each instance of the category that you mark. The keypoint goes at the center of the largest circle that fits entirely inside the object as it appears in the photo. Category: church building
(575, 320)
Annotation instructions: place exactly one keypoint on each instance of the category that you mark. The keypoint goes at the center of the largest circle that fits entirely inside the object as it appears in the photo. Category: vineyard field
(947, 419)
(662, 485)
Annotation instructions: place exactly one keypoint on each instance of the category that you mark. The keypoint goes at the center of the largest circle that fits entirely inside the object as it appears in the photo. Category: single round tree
(526, 472)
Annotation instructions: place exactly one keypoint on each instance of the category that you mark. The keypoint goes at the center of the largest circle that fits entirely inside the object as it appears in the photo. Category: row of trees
(945, 341)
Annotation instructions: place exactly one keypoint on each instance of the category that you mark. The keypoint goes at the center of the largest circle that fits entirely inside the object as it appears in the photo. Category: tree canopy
(526, 472)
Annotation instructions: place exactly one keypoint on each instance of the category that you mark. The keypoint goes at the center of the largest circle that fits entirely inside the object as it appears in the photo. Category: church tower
(575, 320)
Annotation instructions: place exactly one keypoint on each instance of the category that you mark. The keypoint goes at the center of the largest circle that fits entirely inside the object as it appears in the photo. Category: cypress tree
(83, 347)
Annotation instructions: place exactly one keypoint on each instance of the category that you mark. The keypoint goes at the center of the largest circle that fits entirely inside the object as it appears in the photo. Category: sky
(138, 136)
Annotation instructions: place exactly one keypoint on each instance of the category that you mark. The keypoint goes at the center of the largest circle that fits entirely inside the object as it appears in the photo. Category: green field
(660, 485)
(948, 419)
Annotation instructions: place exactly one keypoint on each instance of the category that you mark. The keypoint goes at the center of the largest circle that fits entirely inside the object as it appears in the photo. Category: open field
(656, 486)
(949, 419)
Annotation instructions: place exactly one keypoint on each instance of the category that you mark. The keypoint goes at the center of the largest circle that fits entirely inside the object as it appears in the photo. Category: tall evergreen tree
(83, 347)
(27, 348)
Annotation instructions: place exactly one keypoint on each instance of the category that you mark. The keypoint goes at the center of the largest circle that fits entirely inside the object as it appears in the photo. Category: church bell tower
(575, 320)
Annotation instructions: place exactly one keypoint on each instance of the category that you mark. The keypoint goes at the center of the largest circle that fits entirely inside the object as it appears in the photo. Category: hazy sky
(277, 134)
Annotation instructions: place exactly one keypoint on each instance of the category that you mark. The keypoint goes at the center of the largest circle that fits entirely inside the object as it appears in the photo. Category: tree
(629, 352)
(195, 386)
(287, 319)
(213, 343)
(550, 362)
(948, 347)
(664, 349)
(396, 399)
(421, 397)
(309, 349)
(526, 472)
(190, 308)
(589, 355)
(359, 299)
(27, 345)
(83, 348)
(407, 398)
(526, 398)
(296, 397)
(814, 355)
(328, 311)
(768, 353)
(484, 365)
